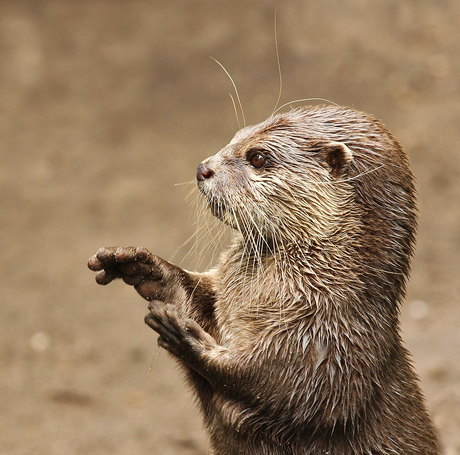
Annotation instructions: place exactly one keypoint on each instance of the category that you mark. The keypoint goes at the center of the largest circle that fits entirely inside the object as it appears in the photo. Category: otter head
(279, 182)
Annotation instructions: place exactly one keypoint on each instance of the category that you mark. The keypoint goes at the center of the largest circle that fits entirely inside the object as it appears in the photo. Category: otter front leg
(156, 279)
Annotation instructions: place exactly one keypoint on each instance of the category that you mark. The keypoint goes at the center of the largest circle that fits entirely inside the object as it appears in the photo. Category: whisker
(189, 182)
(278, 62)
(234, 88)
(305, 99)
(352, 178)
(236, 111)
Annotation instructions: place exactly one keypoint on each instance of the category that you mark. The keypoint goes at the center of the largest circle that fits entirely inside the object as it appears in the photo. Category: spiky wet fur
(304, 305)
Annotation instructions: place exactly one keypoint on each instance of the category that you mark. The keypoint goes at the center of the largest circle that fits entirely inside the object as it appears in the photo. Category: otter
(292, 342)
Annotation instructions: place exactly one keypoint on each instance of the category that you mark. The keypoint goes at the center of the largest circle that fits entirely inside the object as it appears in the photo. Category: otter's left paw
(182, 337)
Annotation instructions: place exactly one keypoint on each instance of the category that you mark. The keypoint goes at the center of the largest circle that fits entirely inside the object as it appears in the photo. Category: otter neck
(310, 261)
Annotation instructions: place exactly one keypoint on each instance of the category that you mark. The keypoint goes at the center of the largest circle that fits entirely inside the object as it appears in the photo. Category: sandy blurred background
(105, 106)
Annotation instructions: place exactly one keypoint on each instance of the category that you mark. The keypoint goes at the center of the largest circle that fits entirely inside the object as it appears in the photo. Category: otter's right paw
(136, 266)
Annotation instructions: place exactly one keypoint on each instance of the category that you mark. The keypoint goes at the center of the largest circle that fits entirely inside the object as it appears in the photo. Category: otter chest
(248, 301)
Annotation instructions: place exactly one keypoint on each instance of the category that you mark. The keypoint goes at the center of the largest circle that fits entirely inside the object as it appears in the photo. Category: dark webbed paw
(182, 337)
(135, 265)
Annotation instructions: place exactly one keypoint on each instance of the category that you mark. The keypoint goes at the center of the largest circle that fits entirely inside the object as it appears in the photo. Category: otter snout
(203, 173)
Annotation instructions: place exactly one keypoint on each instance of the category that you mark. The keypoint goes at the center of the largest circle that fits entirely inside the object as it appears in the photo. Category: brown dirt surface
(105, 106)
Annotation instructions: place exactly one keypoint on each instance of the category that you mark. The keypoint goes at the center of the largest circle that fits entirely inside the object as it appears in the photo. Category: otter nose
(203, 173)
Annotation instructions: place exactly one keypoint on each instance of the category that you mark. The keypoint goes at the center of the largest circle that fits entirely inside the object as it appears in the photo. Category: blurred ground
(105, 106)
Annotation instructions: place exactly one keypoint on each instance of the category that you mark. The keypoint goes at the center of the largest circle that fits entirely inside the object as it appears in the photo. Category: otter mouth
(219, 208)
(216, 207)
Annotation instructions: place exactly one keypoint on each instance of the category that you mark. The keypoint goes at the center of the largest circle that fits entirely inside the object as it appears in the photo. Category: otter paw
(136, 266)
(182, 337)
(130, 263)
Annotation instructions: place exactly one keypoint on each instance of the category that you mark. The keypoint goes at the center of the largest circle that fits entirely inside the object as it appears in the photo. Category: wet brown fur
(292, 343)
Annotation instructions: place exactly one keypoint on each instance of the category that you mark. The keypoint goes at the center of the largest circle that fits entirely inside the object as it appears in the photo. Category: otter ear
(338, 157)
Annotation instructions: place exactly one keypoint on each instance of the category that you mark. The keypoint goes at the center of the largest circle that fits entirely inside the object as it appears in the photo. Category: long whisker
(279, 65)
(234, 88)
(236, 111)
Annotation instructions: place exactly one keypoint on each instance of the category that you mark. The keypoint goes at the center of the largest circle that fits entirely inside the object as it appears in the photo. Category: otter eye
(257, 160)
